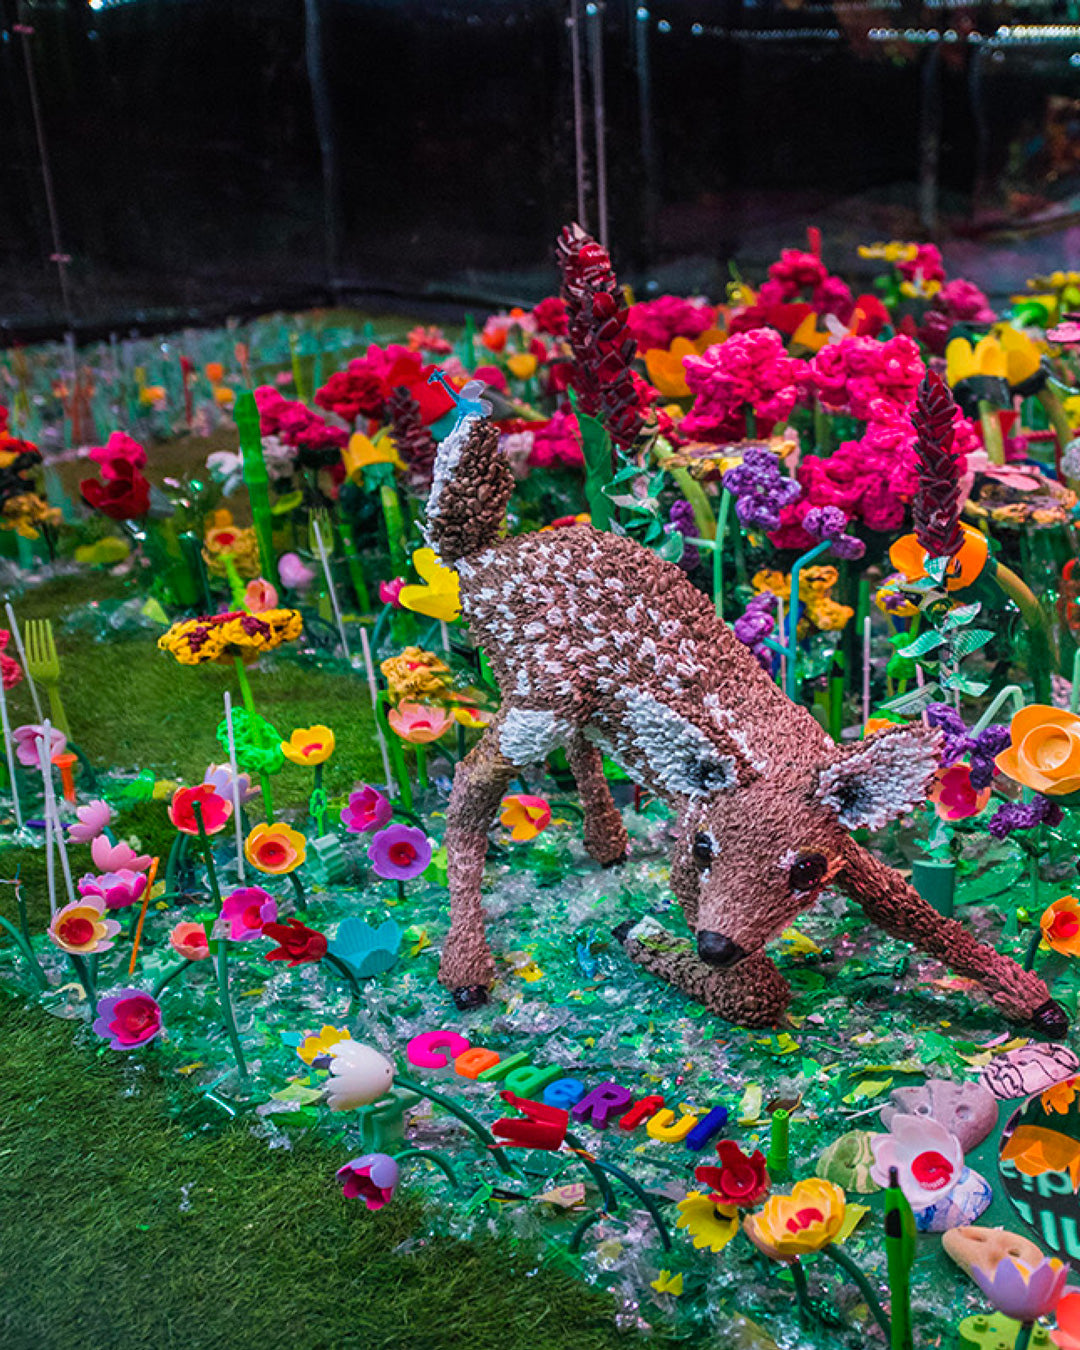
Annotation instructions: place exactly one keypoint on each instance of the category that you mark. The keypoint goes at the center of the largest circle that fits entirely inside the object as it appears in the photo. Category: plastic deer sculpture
(601, 648)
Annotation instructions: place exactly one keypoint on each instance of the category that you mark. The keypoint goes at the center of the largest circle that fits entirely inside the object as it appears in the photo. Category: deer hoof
(470, 996)
(1050, 1020)
(622, 931)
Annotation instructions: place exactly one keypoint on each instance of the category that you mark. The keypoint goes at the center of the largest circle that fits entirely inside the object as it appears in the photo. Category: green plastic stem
(223, 946)
(646, 1200)
(467, 1118)
(718, 553)
(1033, 947)
(1023, 1339)
(86, 980)
(298, 890)
(27, 951)
(343, 969)
(395, 528)
(430, 1155)
(858, 1278)
(793, 614)
(577, 1236)
(169, 976)
(352, 561)
(1011, 691)
(777, 1161)
(256, 479)
(249, 705)
(807, 1315)
(591, 1165)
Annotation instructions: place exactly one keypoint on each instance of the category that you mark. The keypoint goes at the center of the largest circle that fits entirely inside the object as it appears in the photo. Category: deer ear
(881, 777)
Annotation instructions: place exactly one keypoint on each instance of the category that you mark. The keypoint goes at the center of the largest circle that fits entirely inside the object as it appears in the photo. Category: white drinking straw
(9, 750)
(13, 624)
(324, 559)
(50, 864)
(866, 670)
(373, 690)
(52, 811)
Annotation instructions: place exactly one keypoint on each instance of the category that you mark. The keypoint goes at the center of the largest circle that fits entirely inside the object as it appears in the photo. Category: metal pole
(577, 72)
(324, 128)
(595, 12)
(647, 135)
(930, 140)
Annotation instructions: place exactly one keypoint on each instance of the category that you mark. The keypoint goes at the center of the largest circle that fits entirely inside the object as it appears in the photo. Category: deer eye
(807, 870)
(702, 850)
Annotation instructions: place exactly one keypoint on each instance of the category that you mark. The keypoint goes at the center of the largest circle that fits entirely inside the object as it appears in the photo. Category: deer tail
(470, 488)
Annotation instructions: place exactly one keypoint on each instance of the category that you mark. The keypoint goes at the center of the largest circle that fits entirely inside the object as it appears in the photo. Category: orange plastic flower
(309, 745)
(875, 724)
(792, 1225)
(417, 723)
(1035, 1151)
(524, 816)
(1060, 925)
(275, 848)
(954, 797)
(1059, 1097)
(215, 372)
(907, 555)
(1045, 750)
(666, 370)
(189, 939)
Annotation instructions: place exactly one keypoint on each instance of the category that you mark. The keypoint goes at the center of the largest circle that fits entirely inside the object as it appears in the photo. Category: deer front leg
(467, 967)
(605, 834)
(899, 909)
(752, 993)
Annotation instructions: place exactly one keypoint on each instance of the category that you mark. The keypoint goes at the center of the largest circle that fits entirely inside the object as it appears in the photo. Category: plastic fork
(43, 666)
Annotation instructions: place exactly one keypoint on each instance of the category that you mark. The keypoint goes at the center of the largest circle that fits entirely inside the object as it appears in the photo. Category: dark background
(191, 180)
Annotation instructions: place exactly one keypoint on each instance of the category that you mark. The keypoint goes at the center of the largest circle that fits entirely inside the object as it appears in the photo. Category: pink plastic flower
(367, 810)
(962, 301)
(120, 447)
(91, 820)
(390, 590)
(189, 940)
(748, 370)
(657, 323)
(558, 441)
(116, 890)
(294, 573)
(28, 740)
(247, 911)
(81, 927)
(11, 673)
(372, 1178)
(259, 595)
(399, 852)
(954, 797)
(927, 1157)
(1021, 1292)
(128, 1019)
(417, 723)
(116, 857)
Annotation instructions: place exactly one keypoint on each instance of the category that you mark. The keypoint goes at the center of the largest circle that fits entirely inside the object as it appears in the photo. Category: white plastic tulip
(359, 1075)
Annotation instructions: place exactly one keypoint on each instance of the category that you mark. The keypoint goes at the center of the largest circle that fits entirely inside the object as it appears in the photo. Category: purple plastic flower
(1024, 816)
(367, 810)
(220, 778)
(128, 1019)
(681, 518)
(28, 740)
(116, 890)
(755, 624)
(247, 911)
(372, 1178)
(829, 522)
(399, 852)
(1022, 1293)
(760, 490)
(92, 819)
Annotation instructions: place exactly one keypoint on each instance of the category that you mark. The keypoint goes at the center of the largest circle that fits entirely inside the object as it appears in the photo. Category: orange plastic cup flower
(417, 723)
(791, 1226)
(309, 745)
(875, 724)
(524, 816)
(907, 555)
(276, 849)
(666, 369)
(1060, 926)
(1045, 750)
(522, 365)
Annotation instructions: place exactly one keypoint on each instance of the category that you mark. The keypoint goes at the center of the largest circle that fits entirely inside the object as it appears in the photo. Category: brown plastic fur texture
(600, 647)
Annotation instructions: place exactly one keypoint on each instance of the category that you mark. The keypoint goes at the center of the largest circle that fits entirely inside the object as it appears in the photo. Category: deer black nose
(718, 950)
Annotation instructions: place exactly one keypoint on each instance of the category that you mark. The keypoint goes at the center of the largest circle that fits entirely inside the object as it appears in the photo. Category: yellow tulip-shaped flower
(440, 596)
(309, 745)
(789, 1226)
(361, 452)
(522, 365)
(963, 362)
(1022, 355)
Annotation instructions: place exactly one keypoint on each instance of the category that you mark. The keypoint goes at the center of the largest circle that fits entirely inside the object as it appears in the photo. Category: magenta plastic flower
(116, 890)
(399, 852)
(372, 1178)
(1021, 1293)
(28, 740)
(390, 590)
(128, 1019)
(751, 370)
(116, 857)
(247, 911)
(367, 810)
(215, 809)
(91, 820)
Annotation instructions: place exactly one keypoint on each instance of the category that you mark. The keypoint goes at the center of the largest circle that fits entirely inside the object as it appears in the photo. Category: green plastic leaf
(913, 702)
(962, 614)
(596, 448)
(671, 550)
(925, 642)
(963, 685)
(935, 568)
(966, 643)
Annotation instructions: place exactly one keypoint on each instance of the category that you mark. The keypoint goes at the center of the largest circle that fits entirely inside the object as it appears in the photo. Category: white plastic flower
(359, 1075)
(928, 1159)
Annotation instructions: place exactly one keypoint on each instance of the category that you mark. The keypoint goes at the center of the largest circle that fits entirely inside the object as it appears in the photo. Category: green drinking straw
(257, 480)
(779, 1144)
(900, 1254)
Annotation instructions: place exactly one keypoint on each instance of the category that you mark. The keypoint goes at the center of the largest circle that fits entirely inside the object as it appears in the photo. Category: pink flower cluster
(294, 424)
(550, 316)
(963, 302)
(868, 379)
(368, 381)
(657, 323)
(926, 264)
(557, 442)
(750, 369)
(796, 275)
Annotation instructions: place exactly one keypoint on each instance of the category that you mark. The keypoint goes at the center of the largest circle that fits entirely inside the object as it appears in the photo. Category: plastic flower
(665, 368)
(223, 637)
(417, 723)
(215, 809)
(220, 778)
(319, 1044)
(128, 1019)
(953, 795)
(371, 1178)
(309, 745)
(189, 940)
(399, 852)
(359, 1075)
(1021, 1292)
(473, 718)
(927, 1157)
(294, 573)
(115, 890)
(275, 848)
(808, 1219)
(1060, 924)
(415, 673)
(1044, 752)
(247, 911)
(260, 596)
(1035, 1151)
(739, 1180)
(117, 857)
(91, 820)
(296, 942)
(710, 1225)
(524, 816)
(81, 927)
(390, 591)
(1059, 1097)
(367, 810)
(361, 453)
(439, 597)
(1066, 1335)
(28, 743)
(908, 556)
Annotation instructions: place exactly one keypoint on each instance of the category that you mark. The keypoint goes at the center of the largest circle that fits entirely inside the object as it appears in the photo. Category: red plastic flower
(216, 810)
(953, 795)
(296, 942)
(739, 1180)
(125, 495)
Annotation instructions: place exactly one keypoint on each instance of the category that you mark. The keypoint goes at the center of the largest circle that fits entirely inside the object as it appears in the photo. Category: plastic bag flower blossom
(28, 743)
(439, 595)
(223, 637)
(128, 1019)
(367, 810)
(117, 857)
(739, 1180)
(309, 745)
(276, 849)
(415, 673)
(399, 852)
(189, 940)
(1044, 752)
(954, 796)
(246, 911)
(115, 890)
(524, 816)
(927, 1157)
(417, 723)
(372, 1178)
(1060, 926)
(216, 810)
(793, 1225)
(296, 942)
(81, 928)
(91, 819)
(1022, 1292)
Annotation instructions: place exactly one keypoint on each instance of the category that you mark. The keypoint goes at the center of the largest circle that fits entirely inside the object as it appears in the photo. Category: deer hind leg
(752, 993)
(899, 909)
(467, 966)
(605, 833)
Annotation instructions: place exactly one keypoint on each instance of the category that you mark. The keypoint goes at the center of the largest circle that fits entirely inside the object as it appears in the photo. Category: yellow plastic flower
(309, 745)
(241, 544)
(276, 849)
(895, 251)
(415, 674)
(1060, 926)
(986, 358)
(439, 597)
(710, 1225)
(152, 393)
(81, 927)
(891, 599)
(808, 335)
(1044, 753)
(522, 365)
(322, 1042)
(361, 452)
(525, 816)
(808, 1219)
(1022, 356)
(1059, 1097)
(473, 718)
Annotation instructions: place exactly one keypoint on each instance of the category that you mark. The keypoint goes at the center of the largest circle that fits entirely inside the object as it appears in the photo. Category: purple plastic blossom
(399, 852)
(1024, 816)
(28, 740)
(829, 522)
(372, 1178)
(681, 518)
(116, 890)
(985, 747)
(755, 624)
(760, 490)
(247, 911)
(220, 778)
(128, 1019)
(91, 820)
(1022, 1293)
(367, 810)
